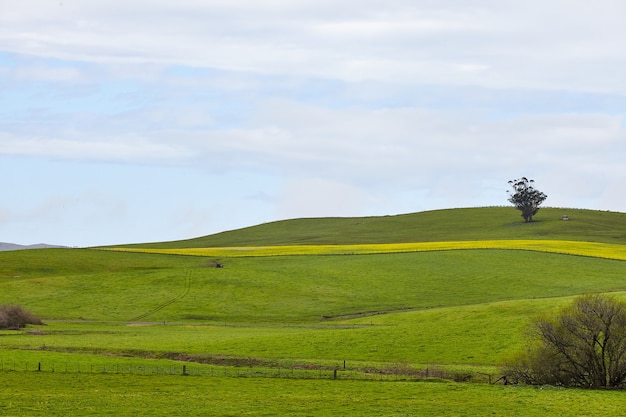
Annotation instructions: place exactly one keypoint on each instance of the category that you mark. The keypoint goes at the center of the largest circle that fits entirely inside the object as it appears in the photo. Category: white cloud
(45, 73)
(127, 148)
(392, 143)
(316, 197)
(71, 217)
(360, 145)
(505, 44)
(5, 215)
(611, 193)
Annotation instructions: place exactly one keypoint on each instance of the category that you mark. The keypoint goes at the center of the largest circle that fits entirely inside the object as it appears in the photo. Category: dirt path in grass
(168, 302)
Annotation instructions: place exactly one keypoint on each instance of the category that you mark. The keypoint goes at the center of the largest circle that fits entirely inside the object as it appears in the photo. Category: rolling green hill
(428, 226)
(106, 285)
(462, 308)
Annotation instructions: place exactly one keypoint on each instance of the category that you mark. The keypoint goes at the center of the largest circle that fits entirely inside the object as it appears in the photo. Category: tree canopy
(583, 346)
(526, 198)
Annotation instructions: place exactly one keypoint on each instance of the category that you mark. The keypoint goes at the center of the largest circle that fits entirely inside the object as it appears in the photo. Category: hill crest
(426, 226)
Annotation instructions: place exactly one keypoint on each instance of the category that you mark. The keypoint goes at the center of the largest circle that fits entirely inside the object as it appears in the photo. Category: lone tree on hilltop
(526, 198)
(583, 346)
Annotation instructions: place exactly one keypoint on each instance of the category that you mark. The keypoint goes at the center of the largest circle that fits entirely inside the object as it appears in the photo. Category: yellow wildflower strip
(593, 249)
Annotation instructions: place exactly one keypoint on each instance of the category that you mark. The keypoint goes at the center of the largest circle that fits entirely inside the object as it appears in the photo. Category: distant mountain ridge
(12, 246)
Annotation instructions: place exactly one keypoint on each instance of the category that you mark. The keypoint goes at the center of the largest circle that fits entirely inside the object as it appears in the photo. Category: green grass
(460, 310)
(61, 394)
(82, 283)
(295, 290)
(482, 334)
(483, 223)
(594, 249)
(36, 263)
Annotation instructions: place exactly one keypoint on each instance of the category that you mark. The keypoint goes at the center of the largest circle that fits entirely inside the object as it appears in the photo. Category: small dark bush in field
(14, 317)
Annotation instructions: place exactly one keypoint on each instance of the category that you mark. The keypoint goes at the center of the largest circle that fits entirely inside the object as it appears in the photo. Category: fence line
(241, 372)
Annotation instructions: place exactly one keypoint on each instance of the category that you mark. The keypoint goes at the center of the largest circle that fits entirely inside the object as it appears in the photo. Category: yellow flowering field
(594, 249)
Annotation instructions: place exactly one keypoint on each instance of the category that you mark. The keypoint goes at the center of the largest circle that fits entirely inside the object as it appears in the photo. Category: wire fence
(295, 372)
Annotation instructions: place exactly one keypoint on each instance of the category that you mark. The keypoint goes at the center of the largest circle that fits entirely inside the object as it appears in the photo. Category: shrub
(583, 346)
(14, 317)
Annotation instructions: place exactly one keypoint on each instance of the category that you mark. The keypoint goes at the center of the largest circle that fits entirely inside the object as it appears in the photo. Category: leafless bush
(14, 317)
(583, 346)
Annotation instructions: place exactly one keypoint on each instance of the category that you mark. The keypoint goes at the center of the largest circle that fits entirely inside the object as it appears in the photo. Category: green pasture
(594, 249)
(283, 290)
(476, 335)
(459, 307)
(60, 394)
(483, 223)
(461, 302)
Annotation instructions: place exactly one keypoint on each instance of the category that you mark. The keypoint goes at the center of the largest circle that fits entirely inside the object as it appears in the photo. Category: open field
(470, 336)
(445, 302)
(594, 249)
(484, 223)
(291, 289)
(55, 395)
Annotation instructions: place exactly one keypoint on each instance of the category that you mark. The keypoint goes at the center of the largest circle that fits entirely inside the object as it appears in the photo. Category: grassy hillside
(428, 226)
(459, 307)
(104, 285)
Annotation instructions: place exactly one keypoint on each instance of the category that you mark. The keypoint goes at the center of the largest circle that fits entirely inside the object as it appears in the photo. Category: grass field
(457, 296)
(482, 334)
(484, 223)
(593, 249)
(294, 290)
(55, 395)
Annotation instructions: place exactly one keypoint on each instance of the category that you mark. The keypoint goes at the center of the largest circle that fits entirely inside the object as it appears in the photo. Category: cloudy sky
(150, 120)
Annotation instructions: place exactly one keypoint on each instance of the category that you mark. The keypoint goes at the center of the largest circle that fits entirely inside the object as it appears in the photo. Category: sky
(153, 120)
